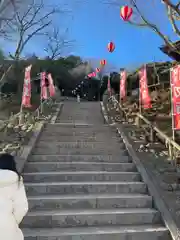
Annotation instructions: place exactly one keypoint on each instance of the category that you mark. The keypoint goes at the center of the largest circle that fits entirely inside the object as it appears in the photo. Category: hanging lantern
(98, 69)
(103, 62)
(93, 74)
(126, 13)
(111, 47)
(90, 75)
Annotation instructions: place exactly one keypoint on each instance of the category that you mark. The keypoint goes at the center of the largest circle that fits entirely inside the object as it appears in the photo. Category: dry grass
(15, 128)
(159, 115)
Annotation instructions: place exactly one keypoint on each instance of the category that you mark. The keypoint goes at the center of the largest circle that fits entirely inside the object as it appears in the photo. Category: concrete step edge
(88, 212)
(80, 163)
(84, 183)
(93, 230)
(79, 172)
(90, 196)
(80, 155)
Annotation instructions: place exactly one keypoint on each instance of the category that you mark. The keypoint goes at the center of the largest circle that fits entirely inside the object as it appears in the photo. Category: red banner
(175, 90)
(51, 86)
(144, 97)
(109, 86)
(43, 86)
(122, 91)
(26, 96)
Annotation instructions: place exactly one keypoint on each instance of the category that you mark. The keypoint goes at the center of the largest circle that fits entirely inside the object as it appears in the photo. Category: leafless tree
(172, 11)
(30, 22)
(57, 43)
(6, 7)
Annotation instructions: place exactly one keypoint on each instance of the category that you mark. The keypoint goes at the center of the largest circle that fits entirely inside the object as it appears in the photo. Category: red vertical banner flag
(51, 86)
(122, 90)
(109, 86)
(43, 86)
(26, 95)
(175, 90)
(144, 96)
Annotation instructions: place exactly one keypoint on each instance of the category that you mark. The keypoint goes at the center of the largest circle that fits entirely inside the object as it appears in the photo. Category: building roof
(170, 52)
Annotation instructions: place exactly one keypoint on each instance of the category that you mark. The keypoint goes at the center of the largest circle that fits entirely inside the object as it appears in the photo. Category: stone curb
(27, 149)
(58, 110)
(105, 116)
(152, 186)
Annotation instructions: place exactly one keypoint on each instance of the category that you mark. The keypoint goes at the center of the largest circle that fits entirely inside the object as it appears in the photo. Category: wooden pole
(171, 148)
(120, 89)
(140, 109)
(41, 102)
(20, 116)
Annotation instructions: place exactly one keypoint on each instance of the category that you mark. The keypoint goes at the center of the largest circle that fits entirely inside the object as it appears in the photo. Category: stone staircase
(81, 184)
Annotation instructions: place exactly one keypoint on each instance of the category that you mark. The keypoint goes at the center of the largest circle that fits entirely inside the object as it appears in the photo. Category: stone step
(77, 119)
(85, 187)
(78, 166)
(63, 129)
(76, 125)
(80, 139)
(100, 146)
(140, 232)
(77, 129)
(79, 133)
(93, 217)
(89, 201)
(51, 149)
(79, 158)
(79, 176)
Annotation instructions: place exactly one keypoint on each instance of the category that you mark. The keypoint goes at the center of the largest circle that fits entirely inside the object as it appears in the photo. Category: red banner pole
(140, 110)
(120, 89)
(172, 108)
(171, 149)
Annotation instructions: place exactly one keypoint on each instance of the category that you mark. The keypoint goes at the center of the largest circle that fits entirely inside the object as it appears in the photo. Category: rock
(8, 145)
(166, 187)
(14, 153)
(141, 146)
(10, 125)
(167, 169)
(24, 127)
(152, 150)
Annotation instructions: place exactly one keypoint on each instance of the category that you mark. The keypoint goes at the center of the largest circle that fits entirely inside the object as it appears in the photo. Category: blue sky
(95, 24)
(101, 24)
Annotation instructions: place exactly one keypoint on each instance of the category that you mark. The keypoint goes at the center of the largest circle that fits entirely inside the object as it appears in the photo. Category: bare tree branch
(172, 20)
(174, 7)
(173, 13)
(146, 23)
(57, 43)
(25, 25)
(29, 23)
(5, 7)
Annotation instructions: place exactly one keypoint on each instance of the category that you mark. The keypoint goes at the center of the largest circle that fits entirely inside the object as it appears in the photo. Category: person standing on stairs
(78, 98)
(13, 200)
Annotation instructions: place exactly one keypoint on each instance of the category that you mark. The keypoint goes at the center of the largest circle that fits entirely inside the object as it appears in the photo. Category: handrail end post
(137, 121)
(152, 135)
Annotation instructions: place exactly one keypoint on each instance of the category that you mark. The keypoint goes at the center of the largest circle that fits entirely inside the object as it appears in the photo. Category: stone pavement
(81, 183)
